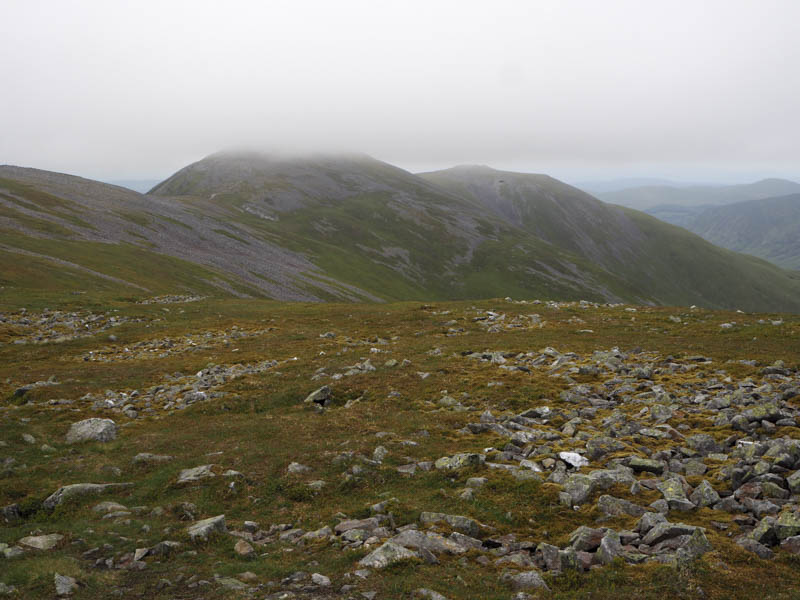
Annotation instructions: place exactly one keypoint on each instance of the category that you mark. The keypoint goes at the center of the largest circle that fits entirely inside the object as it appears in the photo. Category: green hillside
(768, 228)
(351, 228)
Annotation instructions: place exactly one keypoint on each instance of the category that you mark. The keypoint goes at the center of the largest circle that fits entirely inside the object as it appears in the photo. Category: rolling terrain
(222, 448)
(647, 198)
(351, 228)
(767, 227)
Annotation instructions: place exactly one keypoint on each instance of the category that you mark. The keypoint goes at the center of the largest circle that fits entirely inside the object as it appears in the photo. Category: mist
(136, 90)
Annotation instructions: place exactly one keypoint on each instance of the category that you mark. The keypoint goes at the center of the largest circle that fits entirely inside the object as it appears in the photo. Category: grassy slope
(721, 279)
(659, 261)
(261, 426)
(766, 228)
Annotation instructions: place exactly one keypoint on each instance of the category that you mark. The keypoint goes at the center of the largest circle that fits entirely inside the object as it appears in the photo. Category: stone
(791, 544)
(702, 443)
(320, 397)
(704, 495)
(674, 495)
(145, 458)
(459, 461)
(80, 489)
(600, 446)
(573, 459)
(753, 546)
(476, 482)
(319, 534)
(527, 580)
(429, 594)
(7, 590)
(610, 547)
(428, 540)
(585, 538)
(793, 481)
(109, 506)
(787, 525)
(764, 532)
(663, 531)
(387, 554)
(196, 474)
(65, 586)
(639, 465)
(202, 530)
(460, 523)
(612, 506)
(697, 545)
(41, 542)
(244, 549)
(379, 454)
(10, 513)
(551, 555)
(579, 487)
(12, 552)
(92, 430)
(320, 580)
(296, 468)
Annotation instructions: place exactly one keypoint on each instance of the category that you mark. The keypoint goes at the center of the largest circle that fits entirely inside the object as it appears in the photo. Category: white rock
(573, 459)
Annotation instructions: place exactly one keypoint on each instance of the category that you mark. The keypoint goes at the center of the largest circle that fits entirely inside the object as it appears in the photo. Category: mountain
(349, 227)
(650, 197)
(599, 186)
(767, 228)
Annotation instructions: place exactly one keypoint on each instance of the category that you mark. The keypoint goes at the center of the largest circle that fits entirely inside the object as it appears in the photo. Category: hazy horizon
(684, 91)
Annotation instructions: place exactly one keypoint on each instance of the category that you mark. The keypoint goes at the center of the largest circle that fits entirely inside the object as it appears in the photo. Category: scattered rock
(92, 430)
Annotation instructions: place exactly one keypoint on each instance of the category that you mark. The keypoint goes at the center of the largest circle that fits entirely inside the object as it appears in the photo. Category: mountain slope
(145, 242)
(649, 197)
(768, 228)
(380, 228)
(663, 262)
(349, 227)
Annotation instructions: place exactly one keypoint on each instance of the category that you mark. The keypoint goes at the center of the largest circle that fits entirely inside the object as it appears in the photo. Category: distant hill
(768, 228)
(650, 197)
(349, 227)
(600, 186)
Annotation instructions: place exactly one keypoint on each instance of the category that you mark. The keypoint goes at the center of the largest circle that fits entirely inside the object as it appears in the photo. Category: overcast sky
(683, 89)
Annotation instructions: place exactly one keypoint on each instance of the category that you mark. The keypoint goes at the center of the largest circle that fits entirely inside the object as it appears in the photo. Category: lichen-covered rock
(753, 546)
(92, 430)
(704, 495)
(41, 542)
(787, 524)
(385, 555)
(639, 464)
(585, 538)
(610, 547)
(196, 473)
(612, 506)
(202, 530)
(459, 461)
(460, 523)
(320, 397)
(427, 540)
(80, 489)
(663, 531)
(65, 586)
(674, 495)
(527, 580)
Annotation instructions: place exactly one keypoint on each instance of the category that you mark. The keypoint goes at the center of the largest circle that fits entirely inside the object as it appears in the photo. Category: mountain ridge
(350, 227)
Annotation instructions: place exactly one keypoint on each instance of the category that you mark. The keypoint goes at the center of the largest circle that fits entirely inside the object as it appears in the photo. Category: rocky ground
(505, 449)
